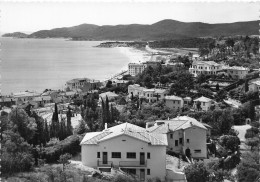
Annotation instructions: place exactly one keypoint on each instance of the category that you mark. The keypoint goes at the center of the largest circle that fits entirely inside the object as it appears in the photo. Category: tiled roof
(172, 97)
(181, 122)
(125, 129)
(206, 62)
(203, 99)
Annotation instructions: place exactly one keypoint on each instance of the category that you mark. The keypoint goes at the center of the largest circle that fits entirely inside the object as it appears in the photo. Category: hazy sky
(33, 16)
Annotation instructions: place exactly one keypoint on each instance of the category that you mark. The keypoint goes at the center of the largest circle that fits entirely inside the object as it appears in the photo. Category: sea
(39, 64)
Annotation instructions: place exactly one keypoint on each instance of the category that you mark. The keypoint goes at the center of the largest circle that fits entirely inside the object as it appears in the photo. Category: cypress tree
(102, 114)
(55, 123)
(246, 86)
(69, 127)
(112, 114)
(46, 133)
(107, 111)
(217, 87)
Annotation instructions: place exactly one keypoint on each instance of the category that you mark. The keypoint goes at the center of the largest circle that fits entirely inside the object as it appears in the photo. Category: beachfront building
(152, 95)
(254, 86)
(83, 83)
(205, 103)
(127, 147)
(204, 67)
(236, 72)
(174, 102)
(23, 97)
(185, 135)
(135, 68)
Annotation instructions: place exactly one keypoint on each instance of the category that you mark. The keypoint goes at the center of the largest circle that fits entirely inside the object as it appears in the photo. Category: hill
(165, 29)
(15, 35)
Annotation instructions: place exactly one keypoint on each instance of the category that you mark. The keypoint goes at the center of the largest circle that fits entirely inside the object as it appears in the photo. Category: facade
(85, 83)
(185, 135)
(205, 103)
(152, 95)
(41, 101)
(254, 86)
(174, 102)
(135, 68)
(237, 72)
(127, 147)
(23, 97)
(204, 67)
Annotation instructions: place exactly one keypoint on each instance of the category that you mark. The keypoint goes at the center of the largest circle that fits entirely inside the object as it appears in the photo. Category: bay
(37, 64)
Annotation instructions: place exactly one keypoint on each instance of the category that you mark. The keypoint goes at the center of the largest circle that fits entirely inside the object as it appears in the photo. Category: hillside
(165, 29)
(15, 35)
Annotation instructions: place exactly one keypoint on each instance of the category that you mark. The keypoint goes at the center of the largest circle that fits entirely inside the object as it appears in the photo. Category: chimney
(146, 125)
(105, 126)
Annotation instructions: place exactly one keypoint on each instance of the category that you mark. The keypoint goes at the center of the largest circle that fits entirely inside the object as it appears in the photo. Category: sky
(33, 16)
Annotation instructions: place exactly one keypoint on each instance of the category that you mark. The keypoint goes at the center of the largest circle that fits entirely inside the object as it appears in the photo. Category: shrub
(69, 145)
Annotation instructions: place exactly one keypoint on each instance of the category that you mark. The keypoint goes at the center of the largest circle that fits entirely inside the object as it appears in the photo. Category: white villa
(205, 103)
(127, 147)
(185, 135)
(152, 95)
(205, 67)
(174, 102)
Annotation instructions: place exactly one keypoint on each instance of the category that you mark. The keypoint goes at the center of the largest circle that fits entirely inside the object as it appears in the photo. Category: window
(98, 155)
(171, 135)
(197, 151)
(148, 155)
(148, 171)
(188, 140)
(176, 143)
(131, 155)
(116, 154)
(180, 141)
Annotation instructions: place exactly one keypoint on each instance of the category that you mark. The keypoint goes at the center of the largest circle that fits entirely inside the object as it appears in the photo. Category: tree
(230, 142)
(253, 142)
(217, 87)
(246, 86)
(109, 84)
(64, 160)
(81, 128)
(197, 172)
(198, 105)
(249, 167)
(69, 127)
(23, 124)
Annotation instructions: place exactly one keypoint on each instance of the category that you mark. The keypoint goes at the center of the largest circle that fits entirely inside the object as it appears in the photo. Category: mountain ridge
(164, 29)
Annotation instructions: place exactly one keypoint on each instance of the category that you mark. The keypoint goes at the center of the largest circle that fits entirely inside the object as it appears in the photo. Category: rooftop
(172, 97)
(203, 99)
(206, 62)
(124, 129)
(181, 122)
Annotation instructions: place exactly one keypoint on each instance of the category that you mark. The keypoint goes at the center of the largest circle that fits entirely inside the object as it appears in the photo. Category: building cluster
(142, 151)
(212, 68)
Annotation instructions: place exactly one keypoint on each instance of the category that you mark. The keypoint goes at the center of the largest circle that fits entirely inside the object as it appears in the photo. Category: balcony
(104, 163)
(132, 164)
